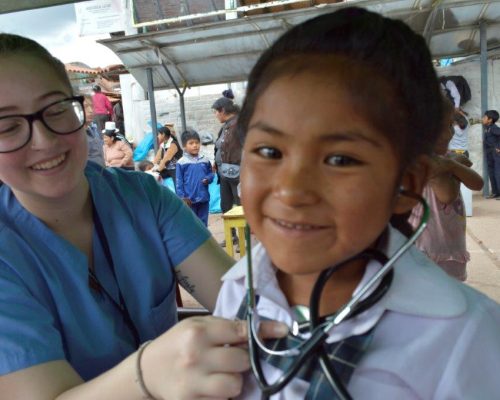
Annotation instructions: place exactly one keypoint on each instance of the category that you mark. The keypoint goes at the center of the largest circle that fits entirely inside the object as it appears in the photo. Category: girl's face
(49, 165)
(318, 182)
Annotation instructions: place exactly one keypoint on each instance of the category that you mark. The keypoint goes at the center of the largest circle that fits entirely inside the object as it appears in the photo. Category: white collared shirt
(436, 338)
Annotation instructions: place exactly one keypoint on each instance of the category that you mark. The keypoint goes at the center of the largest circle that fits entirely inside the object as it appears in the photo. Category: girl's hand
(201, 357)
(187, 201)
(204, 181)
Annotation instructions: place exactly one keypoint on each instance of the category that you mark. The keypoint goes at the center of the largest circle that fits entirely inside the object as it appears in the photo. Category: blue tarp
(146, 144)
(142, 149)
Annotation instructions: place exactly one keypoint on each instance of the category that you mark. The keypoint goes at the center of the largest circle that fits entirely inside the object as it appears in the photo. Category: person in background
(194, 174)
(459, 143)
(118, 117)
(227, 155)
(443, 240)
(94, 136)
(491, 146)
(95, 144)
(327, 160)
(169, 152)
(148, 167)
(102, 108)
(117, 153)
(89, 259)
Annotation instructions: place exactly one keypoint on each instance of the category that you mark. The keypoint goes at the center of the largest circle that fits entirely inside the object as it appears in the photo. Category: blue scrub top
(47, 310)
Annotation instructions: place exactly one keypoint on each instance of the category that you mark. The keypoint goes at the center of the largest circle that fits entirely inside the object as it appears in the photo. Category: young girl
(89, 258)
(339, 116)
(444, 239)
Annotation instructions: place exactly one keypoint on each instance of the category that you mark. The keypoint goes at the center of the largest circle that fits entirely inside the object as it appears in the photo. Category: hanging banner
(98, 17)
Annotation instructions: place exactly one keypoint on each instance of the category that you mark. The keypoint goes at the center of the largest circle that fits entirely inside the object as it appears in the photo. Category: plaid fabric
(344, 356)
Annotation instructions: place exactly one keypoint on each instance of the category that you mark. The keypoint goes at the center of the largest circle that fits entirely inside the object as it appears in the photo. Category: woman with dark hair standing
(227, 154)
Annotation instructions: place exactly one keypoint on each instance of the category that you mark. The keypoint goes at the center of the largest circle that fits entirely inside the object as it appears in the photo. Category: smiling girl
(340, 114)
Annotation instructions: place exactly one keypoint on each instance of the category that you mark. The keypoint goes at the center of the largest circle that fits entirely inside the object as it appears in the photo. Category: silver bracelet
(138, 372)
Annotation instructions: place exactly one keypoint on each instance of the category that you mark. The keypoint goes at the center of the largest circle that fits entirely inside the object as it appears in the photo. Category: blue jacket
(492, 137)
(190, 172)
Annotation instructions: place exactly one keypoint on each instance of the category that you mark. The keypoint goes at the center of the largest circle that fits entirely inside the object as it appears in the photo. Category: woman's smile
(50, 163)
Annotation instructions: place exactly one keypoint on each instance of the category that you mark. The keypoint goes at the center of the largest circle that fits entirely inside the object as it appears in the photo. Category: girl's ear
(413, 180)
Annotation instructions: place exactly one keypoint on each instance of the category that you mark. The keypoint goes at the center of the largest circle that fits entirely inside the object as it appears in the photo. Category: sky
(55, 28)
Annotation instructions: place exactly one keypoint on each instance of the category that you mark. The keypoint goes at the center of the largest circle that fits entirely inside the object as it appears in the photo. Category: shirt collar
(419, 286)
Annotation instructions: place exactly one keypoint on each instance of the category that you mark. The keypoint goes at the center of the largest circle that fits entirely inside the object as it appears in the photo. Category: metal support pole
(484, 95)
(181, 96)
(152, 106)
(182, 109)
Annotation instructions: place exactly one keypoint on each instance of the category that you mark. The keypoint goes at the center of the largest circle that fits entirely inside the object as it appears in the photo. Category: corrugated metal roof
(225, 51)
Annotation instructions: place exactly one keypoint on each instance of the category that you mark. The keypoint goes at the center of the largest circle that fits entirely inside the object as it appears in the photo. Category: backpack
(462, 87)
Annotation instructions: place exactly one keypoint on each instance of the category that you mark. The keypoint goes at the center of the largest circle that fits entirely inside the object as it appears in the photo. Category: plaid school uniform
(344, 356)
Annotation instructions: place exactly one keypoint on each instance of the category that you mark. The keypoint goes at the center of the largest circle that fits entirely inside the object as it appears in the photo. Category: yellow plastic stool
(234, 218)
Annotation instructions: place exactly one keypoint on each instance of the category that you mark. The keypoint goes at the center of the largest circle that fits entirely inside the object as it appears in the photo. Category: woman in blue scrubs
(88, 260)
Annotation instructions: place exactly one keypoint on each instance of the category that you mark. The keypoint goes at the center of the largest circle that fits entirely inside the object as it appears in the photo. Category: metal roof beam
(255, 53)
(463, 28)
(208, 39)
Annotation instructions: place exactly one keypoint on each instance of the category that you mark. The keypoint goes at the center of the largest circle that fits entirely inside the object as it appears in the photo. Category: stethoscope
(319, 330)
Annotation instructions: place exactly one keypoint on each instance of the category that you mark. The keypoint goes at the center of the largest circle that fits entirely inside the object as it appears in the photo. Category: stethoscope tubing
(315, 344)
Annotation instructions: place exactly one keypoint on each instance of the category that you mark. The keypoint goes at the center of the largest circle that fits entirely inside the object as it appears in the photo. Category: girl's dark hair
(15, 45)
(189, 134)
(388, 73)
(164, 131)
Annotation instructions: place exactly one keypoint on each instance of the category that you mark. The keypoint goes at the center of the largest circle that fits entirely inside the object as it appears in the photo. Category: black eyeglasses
(62, 117)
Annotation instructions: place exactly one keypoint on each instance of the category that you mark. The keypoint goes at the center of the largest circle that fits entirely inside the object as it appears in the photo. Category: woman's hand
(201, 357)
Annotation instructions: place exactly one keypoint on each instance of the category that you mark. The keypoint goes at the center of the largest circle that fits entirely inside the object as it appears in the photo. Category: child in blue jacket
(194, 174)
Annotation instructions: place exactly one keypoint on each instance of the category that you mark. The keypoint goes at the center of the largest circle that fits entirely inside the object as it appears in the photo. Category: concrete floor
(483, 243)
